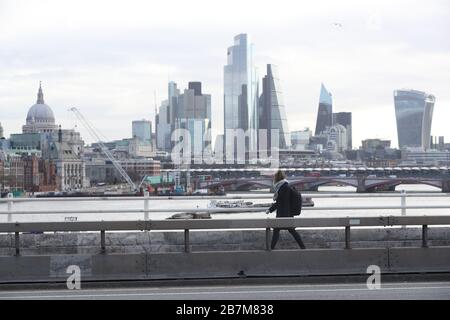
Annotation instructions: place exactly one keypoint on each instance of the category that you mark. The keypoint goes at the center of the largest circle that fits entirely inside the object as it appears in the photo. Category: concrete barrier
(220, 254)
(403, 260)
(265, 263)
(54, 267)
(226, 264)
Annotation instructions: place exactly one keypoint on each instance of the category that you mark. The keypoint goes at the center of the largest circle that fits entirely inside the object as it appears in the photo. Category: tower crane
(95, 135)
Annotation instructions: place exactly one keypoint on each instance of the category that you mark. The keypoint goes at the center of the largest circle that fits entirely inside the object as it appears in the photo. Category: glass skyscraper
(241, 90)
(165, 119)
(163, 127)
(142, 129)
(325, 113)
(194, 115)
(272, 113)
(414, 113)
(344, 119)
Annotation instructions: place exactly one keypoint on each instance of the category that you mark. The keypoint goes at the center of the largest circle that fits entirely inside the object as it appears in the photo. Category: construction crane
(95, 135)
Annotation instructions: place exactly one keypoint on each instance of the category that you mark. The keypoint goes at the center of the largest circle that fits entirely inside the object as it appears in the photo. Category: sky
(110, 58)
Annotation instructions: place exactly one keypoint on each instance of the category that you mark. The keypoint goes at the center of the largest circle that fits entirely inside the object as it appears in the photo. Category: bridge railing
(147, 200)
(321, 195)
(189, 225)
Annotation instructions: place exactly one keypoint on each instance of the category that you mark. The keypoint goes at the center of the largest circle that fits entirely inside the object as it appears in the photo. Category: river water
(179, 205)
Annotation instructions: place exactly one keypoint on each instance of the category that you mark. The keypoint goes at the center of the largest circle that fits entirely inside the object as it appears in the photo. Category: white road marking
(219, 292)
(185, 288)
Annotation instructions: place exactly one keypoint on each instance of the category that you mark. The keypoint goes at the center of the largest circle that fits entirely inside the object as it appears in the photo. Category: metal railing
(222, 210)
(187, 225)
(147, 204)
(249, 195)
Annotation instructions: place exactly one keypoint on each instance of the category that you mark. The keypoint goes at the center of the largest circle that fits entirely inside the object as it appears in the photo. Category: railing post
(403, 203)
(103, 241)
(268, 239)
(10, 206)
(17, 243)
(146, 205)
(187, 245)
(347, 237)
(425, 236)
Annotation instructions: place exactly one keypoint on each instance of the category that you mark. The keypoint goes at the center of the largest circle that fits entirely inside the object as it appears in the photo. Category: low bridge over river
(361, 183)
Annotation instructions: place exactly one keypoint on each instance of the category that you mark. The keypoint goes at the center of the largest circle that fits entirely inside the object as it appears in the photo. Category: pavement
(437, 290)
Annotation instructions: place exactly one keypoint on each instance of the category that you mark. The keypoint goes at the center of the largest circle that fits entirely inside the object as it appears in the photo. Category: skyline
(114, 68)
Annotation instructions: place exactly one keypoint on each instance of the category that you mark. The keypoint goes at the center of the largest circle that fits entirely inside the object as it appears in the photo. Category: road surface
(390, 291)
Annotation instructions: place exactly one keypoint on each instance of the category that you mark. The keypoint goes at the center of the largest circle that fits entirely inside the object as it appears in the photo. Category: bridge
(104, 264)
(362, 183)
(145, 249)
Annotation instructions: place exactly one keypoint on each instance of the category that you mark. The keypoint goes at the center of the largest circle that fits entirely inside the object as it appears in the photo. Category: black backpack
(295, 199)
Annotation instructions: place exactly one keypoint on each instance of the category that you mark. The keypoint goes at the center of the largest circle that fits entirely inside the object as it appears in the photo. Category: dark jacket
(282, 203)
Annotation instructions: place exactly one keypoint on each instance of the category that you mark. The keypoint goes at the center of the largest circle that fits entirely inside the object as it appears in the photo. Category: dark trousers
(276, 236)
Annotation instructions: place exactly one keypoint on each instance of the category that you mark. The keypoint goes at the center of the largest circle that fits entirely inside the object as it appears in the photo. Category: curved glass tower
(325, 113)
(414, 113)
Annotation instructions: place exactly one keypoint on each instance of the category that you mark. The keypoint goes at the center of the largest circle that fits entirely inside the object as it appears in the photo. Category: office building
(425, 158)
(345, 120)
(325, 112)
(414, 114)
(300, 140)
(241, 91)
(142, 129)
(192, 104)
(272, 113)
(100, 170)
(165, 119)
(194, 115)
(441, 143)
(163, 127)
(370, 144)
(190, 110)
(174, 92)
(336, 138)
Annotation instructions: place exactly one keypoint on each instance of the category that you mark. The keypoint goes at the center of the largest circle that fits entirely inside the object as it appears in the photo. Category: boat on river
(232, 204)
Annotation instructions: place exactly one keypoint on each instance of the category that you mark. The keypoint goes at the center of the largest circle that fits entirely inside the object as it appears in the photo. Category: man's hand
(267, 211)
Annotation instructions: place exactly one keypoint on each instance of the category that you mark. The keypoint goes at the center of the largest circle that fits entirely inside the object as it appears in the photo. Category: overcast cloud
(108, 57)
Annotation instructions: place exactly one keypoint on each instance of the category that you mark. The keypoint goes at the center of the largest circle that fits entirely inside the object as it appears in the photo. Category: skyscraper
(241, 90)
(194, 115)
(324, 115)
(272, 114)
(174, 92)
(300, 139)
(142, 129)
(345, 120)
(414, 113)
(165, 120)
(196, 86)
(337, 138)
(163, 131)
(193, 104)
